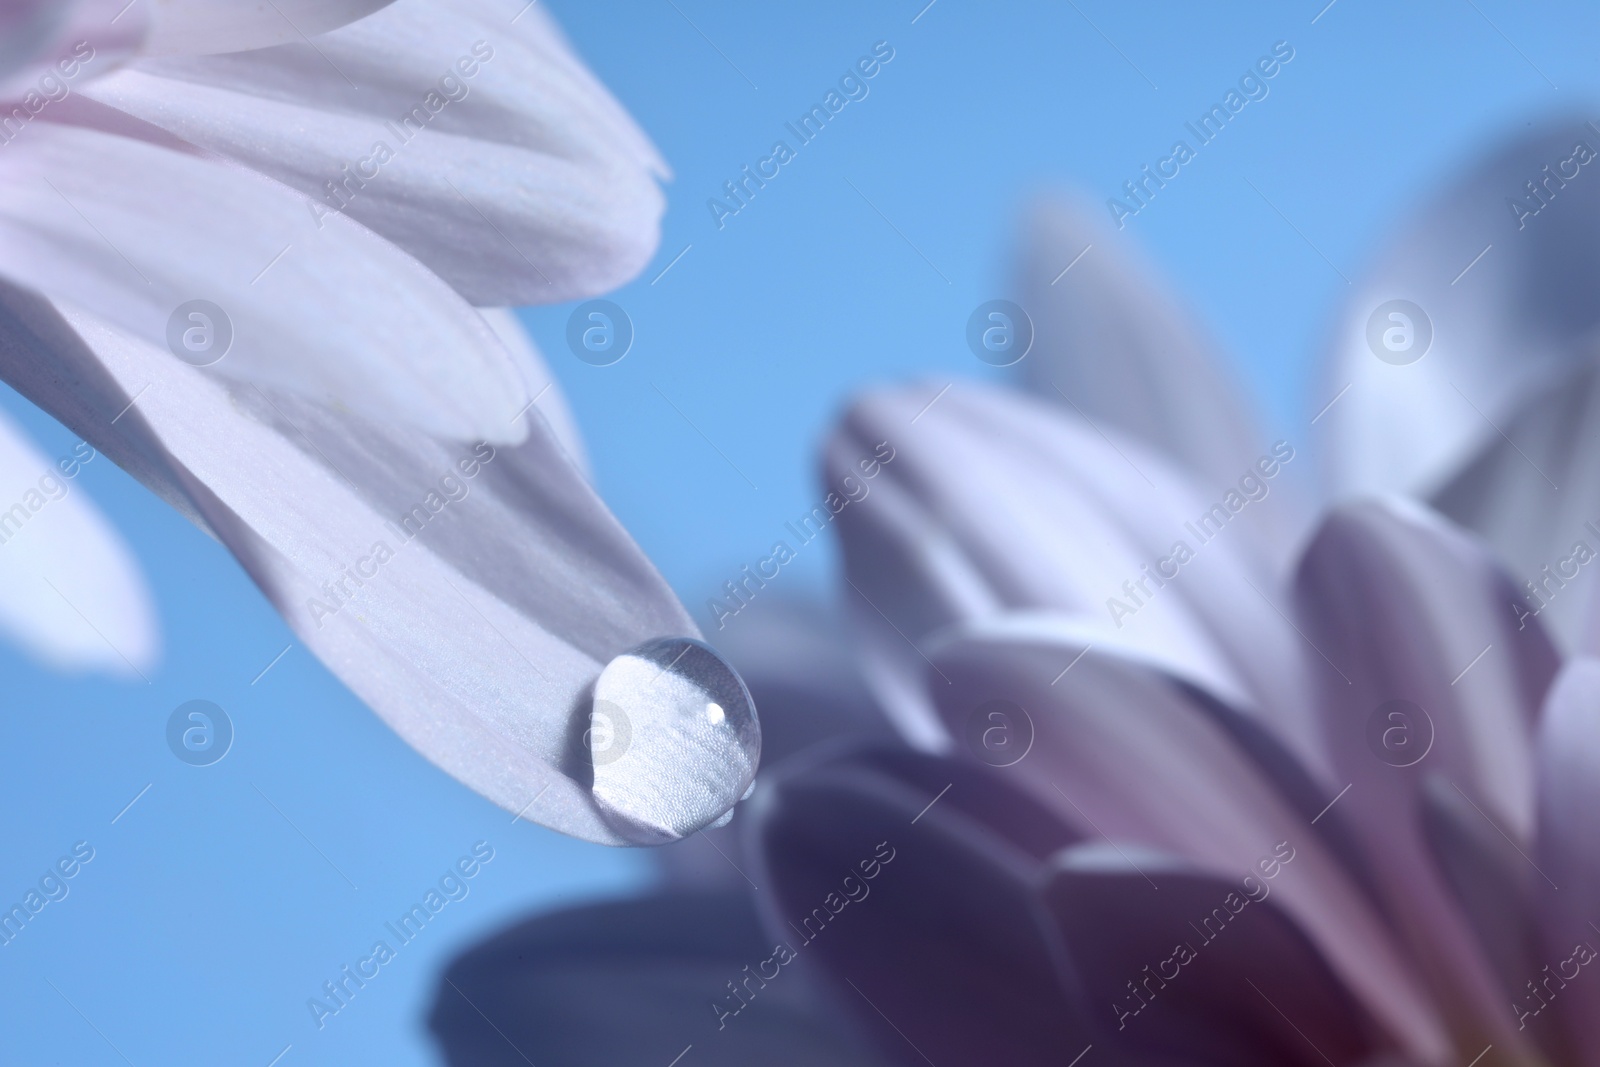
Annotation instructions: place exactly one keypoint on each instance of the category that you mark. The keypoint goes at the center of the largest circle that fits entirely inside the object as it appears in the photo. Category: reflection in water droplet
(692, 740)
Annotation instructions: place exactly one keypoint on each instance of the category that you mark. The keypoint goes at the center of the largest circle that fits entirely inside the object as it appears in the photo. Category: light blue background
(206, 919)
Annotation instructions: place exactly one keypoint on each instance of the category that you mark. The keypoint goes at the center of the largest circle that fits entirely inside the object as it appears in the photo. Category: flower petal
(470, 595)
(136, 231)
(70, 589)
(909, 882)
(1507, 301)
(1426, 673)
(1508, 494)
(60, 41)
(201, 26)
(522, 182)
(629, 982)
(1122, 750)
(994, 501)
(1113, 344)
(1203, 969)
(541, 384)
(804, 678)
(1569, 854)
(1487, 876)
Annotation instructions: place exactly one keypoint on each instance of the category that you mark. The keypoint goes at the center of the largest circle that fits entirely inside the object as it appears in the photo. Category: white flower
(367, 444)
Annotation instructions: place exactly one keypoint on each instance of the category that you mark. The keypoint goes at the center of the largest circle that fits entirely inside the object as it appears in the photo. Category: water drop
(675, 740)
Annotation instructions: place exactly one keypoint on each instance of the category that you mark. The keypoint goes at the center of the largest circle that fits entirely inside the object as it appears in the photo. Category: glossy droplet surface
(674, 740)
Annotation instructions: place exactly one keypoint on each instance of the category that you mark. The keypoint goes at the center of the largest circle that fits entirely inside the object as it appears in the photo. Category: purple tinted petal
(1202, 968)
(941, 955)
(634, 981)
(1127, 754)
(1569, 853)
(1424, 671)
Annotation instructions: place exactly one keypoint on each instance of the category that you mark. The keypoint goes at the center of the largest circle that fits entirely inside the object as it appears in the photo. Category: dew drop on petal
(674, 740)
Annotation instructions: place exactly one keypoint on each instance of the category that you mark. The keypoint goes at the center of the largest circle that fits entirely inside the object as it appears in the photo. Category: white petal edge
(546, 394)
(71, 591)
(201, 26)
(1569, 843)
(133, 230)
(520, 182)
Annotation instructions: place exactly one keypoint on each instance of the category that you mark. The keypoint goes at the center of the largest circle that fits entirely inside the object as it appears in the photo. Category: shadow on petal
(632, 981)
(908, 881)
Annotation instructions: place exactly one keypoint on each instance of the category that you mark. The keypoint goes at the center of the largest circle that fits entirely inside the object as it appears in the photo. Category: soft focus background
(225, 896)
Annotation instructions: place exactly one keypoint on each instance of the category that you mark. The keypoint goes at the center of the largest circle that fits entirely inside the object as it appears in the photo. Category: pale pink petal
(135, 230)
(1568, 853)
(520, 182)
(71, 592)
(995, 501)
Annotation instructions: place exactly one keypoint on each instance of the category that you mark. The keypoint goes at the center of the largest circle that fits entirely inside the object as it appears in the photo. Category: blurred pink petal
(1406, 609)
(996, 502)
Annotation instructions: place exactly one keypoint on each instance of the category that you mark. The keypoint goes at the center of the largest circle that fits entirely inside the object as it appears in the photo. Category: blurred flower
(1302, 792)
(249, 279)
